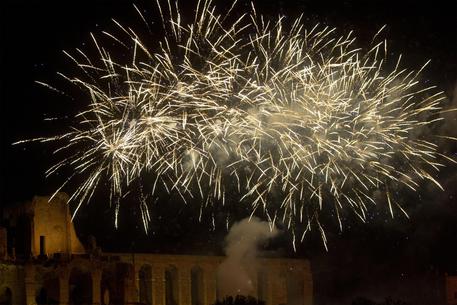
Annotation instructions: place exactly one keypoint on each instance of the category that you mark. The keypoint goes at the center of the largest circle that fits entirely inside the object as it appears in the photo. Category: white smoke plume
(237, 273)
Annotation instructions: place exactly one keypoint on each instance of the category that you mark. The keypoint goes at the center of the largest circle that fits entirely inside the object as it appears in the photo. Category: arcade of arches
(52, 267)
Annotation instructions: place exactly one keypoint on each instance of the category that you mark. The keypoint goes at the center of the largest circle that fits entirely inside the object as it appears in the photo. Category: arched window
(107, 286)
(48, 293)
(6, 296)
(197, 292)
(41, 296)
(145, 277)
(80, 284)
(171, 286)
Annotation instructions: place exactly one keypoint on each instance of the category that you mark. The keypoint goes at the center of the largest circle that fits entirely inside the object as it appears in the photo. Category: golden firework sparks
(277, 109)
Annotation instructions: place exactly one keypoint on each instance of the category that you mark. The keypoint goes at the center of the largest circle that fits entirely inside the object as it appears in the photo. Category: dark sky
(399, 257)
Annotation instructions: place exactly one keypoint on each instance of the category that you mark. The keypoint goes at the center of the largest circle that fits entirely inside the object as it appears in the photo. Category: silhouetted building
(42, 261)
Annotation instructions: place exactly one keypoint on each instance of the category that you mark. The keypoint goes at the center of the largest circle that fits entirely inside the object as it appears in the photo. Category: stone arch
(6, 296)
(121, 279)
(197, 287)
(145, 284)
(49, 292)
(295, 287)
(107, 286)
(80, 286)
(113, 283)
(41, 296)
(171, 286)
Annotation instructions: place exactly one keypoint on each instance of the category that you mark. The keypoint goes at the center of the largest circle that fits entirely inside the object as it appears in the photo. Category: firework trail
(275, 109)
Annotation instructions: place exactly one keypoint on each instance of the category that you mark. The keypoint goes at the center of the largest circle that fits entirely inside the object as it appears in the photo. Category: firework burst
(278, 110)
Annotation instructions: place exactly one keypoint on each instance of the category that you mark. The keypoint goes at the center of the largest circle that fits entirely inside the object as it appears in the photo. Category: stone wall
(3, 243)
(52, 221)
(43, 222)
(12, 278)
(275, 270)
(93, 277)
(115, 278)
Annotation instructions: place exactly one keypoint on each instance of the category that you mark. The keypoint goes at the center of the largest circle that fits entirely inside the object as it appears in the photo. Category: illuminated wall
(52, 221)
(37, 276)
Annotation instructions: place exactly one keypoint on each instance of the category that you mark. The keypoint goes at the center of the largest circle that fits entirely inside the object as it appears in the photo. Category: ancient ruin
(42, 261)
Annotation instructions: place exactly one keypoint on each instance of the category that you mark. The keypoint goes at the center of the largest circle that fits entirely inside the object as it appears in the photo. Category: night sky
(402, 258)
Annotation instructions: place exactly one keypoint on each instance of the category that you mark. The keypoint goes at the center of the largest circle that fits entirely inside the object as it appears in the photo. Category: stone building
(42, 261)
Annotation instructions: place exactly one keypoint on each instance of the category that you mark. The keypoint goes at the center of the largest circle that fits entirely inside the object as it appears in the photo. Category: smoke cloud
(237, 273)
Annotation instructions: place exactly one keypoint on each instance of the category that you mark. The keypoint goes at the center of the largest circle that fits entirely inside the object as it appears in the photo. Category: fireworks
(269, 108)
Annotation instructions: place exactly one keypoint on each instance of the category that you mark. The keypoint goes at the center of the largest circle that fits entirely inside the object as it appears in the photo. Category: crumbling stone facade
(44, 224)
(49, 265)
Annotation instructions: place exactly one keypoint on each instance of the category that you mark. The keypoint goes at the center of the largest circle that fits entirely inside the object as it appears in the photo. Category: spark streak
(279, 110)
